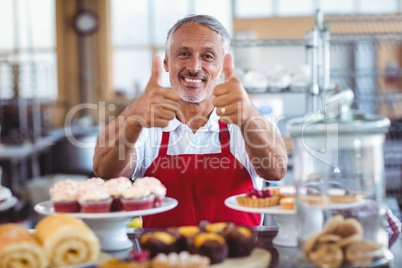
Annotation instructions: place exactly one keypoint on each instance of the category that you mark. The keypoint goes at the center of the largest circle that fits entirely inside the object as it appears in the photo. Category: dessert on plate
(64, 195)
(180, 260)
(338, 195)
(95, 199)
(137, 197)
(259, 198)
(116, 187)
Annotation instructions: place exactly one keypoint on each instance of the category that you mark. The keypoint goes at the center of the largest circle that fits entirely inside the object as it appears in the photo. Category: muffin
(259, 198)
(116, 187)
(137, 197)
(211, 245)
(183, 235)
(240, 240)
(64, 196)
(158, 242)
(216, 227)
(95, 200)
(180, 260)
(155, 186)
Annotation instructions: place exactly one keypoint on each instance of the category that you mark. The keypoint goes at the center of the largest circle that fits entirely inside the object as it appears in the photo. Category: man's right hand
(157, 105)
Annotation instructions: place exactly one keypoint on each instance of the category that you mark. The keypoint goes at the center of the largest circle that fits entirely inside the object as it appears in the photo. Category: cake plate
(286, 220)
(110, 227)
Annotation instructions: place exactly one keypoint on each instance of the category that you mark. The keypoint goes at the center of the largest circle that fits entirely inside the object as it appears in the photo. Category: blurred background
(68, 67)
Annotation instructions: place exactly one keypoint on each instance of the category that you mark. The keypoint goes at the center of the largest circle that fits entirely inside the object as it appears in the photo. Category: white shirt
(182, 140)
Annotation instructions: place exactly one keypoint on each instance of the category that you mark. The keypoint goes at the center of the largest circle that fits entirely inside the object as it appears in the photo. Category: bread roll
(18, 248)
(67, 240)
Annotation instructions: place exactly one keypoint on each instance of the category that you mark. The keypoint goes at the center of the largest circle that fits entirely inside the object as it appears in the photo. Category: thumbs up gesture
(157, 105)
(232, 101)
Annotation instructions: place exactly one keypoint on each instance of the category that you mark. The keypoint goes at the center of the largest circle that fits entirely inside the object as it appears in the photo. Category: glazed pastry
(216, 227)
(19, 248)
(212, 245)
(350, 227)
(257, 198)
(327, 255)
(183, 234)
(361, 253)
(182, 260)
(332, 225)
(67, 240)
(239, 239)
(158, 242)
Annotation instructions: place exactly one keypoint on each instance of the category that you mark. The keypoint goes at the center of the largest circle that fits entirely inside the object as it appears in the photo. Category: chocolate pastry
(240, 240)
(183, 236)
(158, 242)
(210, 244)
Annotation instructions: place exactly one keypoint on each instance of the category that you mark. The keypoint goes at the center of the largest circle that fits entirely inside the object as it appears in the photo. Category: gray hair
(203, 20)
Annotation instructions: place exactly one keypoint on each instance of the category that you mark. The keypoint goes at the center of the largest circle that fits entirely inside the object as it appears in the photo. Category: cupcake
(95, 199)
(211, 245)
(240, 240)
(259, 198)
(137, 197)
(116, 187)
(89, 183)
(64, 196)
(158, 242)
(180, 260)
(155, 186)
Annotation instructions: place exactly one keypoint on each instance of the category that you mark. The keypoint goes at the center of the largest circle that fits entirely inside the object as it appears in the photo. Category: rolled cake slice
(19, 248)
(67, 240)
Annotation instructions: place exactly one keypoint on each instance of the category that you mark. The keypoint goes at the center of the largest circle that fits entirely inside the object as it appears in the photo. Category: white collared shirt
(182, 140)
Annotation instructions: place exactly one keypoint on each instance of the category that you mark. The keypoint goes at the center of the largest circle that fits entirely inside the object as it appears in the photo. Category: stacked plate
(7, 200)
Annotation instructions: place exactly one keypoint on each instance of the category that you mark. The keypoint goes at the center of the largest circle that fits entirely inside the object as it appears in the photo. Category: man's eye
(183, 54)
(208, 56)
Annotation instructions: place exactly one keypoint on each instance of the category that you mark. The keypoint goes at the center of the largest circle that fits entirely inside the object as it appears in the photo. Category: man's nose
(194, 65)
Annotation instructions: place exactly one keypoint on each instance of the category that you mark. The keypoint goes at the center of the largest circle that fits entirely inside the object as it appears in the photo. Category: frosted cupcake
(64, 196)
(137, 197)
(156, 188)
(95, 199)
(116, 187)
(89, 183)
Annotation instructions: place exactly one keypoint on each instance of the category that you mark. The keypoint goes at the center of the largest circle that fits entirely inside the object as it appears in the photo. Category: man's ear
(165, 64)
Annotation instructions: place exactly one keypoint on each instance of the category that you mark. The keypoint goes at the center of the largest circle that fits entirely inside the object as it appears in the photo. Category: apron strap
(164, 143)
(224, 137)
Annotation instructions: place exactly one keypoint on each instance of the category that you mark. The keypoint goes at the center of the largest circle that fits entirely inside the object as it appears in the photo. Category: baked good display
(137, 197)
(155, 187)
(158, 242)
(288, 203)
(116, 187)
(19, 248)
(64, 195)
(95, 200)
(210, 244)
(338, 195)
(340, 244)
(259, 198)
(67, 240)
(180, 260)
(240, 240)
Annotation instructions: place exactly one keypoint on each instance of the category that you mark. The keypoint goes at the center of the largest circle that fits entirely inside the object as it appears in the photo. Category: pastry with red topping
(259, 198)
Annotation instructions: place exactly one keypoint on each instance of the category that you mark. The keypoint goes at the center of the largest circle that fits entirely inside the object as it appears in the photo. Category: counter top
(283, 256)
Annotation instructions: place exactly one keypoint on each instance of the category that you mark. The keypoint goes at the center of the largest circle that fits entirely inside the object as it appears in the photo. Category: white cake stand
(286, 219)
(110, 227)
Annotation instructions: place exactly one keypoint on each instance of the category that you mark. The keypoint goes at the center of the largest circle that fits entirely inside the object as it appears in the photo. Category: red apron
(200, 183)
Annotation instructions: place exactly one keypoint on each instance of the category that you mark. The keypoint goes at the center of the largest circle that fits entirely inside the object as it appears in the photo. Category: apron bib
(200, 183)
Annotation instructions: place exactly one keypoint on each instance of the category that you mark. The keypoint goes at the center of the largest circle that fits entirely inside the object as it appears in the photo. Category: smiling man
(203, 140)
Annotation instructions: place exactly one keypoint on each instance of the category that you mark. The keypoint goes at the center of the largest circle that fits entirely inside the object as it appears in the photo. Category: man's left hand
(232, 101)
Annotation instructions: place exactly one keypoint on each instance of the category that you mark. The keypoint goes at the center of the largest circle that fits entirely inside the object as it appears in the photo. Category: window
(28, 46)
(139, 29)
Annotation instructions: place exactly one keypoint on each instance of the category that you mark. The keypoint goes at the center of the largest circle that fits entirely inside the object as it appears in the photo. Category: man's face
(194, 62)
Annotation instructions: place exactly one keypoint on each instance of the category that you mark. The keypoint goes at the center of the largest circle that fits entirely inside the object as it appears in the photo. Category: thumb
(228, 67)
(157, 70)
